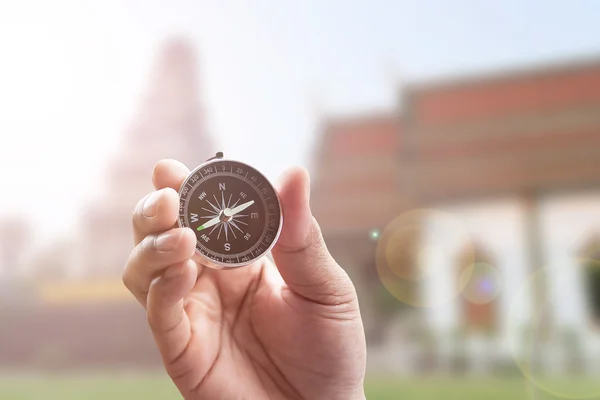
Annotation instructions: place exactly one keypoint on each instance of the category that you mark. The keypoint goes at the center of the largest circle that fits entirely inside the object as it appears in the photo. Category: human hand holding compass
(229, 322)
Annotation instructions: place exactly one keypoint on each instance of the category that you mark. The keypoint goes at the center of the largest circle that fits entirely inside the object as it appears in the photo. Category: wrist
(358, 395)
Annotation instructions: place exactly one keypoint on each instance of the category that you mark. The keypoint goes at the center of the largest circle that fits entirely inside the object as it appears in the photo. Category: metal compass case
(234, 211)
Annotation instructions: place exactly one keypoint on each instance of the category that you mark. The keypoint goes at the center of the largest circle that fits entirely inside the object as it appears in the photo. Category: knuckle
(147, 247)
(126, 278)
(140, 255)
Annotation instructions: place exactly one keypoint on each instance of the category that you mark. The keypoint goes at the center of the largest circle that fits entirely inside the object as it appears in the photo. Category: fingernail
(168, 241)
(150, 208)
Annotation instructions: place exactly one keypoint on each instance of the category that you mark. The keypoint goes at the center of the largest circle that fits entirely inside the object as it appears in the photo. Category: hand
(284, 330)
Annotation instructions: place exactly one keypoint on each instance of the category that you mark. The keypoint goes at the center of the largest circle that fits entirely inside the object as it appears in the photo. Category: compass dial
(234, 211)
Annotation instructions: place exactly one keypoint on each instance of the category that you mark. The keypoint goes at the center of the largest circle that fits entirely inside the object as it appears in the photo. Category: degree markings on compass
(246, 175)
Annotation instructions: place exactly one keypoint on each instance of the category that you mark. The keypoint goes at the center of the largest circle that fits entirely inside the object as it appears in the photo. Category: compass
(234, 211)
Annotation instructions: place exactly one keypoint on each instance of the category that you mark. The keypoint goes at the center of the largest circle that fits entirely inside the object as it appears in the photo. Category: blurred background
(454, 149)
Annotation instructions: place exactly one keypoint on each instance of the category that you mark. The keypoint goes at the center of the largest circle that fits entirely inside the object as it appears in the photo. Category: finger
(166, 315)
(155, 213)
(300, 253)
(169, 174)
(170, 323)
(153, 255)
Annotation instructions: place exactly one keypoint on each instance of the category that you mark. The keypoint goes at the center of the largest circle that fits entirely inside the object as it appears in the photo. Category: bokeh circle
(408, 253)
(552, 354)
(481, 283)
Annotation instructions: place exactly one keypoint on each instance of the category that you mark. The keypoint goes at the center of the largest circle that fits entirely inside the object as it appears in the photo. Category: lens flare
(419, 251)
(482, 283)
(374, 234)
(551, 343)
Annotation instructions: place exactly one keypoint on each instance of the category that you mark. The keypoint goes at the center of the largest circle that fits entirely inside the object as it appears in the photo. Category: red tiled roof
(355, 170)
(369, 135)
(500, 96)
(538, 130)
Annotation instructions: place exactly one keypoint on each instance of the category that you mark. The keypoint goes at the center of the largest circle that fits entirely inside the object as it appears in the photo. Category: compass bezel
(207, 261)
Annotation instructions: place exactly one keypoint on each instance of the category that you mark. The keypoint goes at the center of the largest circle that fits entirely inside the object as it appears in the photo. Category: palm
(248, 327)
(267, 331)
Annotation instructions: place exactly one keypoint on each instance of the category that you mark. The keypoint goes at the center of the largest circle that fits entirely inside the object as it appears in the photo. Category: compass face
(234, 211)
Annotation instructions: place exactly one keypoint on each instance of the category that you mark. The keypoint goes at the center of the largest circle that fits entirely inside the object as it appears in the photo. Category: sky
(71, 73)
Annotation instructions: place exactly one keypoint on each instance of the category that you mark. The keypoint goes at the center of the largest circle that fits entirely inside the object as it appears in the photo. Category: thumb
(300, 254)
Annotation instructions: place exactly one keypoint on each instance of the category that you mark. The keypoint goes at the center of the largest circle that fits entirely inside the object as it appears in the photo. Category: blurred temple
(443, 211)
(168, 125)
(452, 201)
(77, 311)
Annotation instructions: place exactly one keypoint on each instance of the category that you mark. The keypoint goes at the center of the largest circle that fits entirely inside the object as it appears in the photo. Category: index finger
(169, 174)
(158, 211)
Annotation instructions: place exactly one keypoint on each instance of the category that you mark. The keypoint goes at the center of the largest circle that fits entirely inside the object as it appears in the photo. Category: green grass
(101, 387)
(157, 387)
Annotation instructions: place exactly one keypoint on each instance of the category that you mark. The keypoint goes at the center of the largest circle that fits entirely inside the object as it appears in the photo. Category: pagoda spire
(168, 124)
(170, 112)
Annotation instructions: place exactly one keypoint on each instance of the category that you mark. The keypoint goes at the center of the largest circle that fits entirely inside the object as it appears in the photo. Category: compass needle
(247, 209)
(242, 207)
(208, 224)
